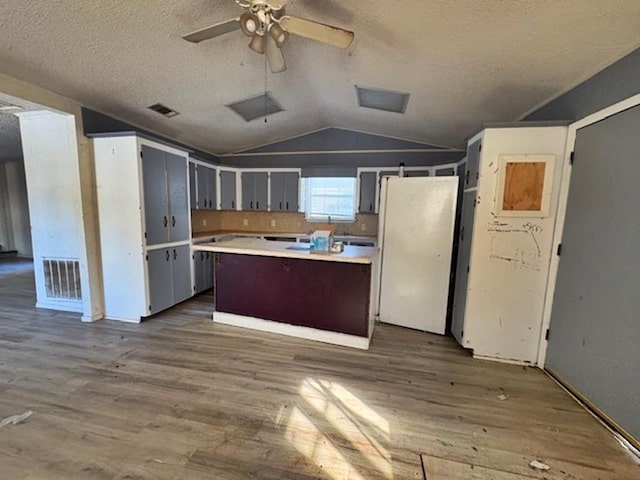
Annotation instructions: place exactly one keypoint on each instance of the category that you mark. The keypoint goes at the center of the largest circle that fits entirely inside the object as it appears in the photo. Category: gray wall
(334, 147)
(619, 81)
(15, 227)
(594, 331)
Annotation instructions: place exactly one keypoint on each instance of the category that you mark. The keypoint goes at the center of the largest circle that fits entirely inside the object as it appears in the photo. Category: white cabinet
(143, 207)
(503, 257)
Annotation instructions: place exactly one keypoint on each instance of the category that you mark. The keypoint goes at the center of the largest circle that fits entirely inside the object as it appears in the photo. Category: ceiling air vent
(163, 110)
(256, 107)
(382, 99)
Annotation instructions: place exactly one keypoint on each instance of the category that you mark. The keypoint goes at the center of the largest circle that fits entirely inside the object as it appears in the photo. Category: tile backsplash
(204, 221)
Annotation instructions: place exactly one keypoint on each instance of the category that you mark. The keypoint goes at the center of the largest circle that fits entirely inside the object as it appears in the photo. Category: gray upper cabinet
(156, 200)
(416, 173)
(473, 162)
(254, 190)
(227, 190)
(445, 172)
(193, 200)
(206, 187)
(166, 200)
(368, 182)
(178, 213)
(284, 191)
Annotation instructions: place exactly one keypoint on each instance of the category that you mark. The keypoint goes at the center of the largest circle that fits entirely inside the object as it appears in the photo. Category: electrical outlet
(245, 221)
(273, 223)
(363, 227)
(204, 222)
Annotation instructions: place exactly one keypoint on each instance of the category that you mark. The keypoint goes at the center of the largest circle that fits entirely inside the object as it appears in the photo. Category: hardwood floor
(179, 397)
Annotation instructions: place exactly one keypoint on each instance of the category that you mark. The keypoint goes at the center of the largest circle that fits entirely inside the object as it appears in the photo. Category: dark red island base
(324, 295)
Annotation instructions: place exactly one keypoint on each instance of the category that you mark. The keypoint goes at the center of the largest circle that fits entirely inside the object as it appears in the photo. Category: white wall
(55, 200)
(80, 178)
(15, 230)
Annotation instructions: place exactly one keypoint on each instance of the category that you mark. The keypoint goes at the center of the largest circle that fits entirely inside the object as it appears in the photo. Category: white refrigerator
(415, 235)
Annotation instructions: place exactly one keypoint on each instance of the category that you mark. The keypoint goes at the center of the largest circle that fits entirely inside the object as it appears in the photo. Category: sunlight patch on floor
(354, 431)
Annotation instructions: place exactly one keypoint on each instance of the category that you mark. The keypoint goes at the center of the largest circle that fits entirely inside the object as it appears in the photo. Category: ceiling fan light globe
(279, 34)
(249, 23)
(257, 44)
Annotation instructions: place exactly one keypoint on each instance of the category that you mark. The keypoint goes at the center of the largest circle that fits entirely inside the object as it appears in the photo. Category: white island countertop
(266, 248)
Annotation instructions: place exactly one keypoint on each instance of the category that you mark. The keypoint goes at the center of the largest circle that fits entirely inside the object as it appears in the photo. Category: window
(329, 198)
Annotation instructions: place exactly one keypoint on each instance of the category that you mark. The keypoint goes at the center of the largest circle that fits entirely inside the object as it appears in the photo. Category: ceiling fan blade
(213, 31)
(320, 32)
(275, 56)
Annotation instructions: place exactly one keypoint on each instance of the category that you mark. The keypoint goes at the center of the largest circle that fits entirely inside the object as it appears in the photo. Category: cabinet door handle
(175, 254)
(233, 204)
(168, 256)
(280, 205)
(173, 221)
(257, 205)
(287, 203)
(251, 204)
(462, 234)
(371, 207)
(165, 221)
(466, 177)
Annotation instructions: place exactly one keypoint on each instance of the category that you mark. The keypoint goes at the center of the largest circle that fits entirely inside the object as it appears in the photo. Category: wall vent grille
(62, 278)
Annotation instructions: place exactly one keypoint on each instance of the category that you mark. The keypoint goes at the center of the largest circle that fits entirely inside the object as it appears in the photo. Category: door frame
(561, 211)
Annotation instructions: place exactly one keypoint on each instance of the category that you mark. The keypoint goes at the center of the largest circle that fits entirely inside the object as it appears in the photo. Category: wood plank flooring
(179, 397)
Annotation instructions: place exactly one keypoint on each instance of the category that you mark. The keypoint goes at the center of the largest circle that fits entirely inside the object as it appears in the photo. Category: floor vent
(62, 278)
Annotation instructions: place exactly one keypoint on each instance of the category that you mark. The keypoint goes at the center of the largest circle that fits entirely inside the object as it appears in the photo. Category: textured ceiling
(10, 145)
(464, 62)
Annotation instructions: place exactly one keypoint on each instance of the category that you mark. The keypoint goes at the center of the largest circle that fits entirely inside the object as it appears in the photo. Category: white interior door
(418, 218)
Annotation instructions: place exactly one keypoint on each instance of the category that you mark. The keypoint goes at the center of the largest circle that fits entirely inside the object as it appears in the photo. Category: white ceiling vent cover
(379, 99)
(256, 107)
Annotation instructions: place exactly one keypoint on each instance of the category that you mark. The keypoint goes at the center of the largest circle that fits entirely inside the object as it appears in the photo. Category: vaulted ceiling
(464, 62)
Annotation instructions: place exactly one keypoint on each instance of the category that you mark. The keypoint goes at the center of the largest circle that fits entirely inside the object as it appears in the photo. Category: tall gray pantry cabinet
(145, 225)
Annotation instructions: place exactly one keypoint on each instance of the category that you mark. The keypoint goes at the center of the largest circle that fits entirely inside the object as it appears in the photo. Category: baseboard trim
(61, 306)
(92, 318)
(584, 402)
(505, 360)
(297, 331)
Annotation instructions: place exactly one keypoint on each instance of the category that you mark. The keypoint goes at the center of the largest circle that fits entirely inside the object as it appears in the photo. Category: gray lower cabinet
(368, 181)
(166, 199)
(284, 191)
(206, 187)
(254, 190)
(416, 173)
(227, 190)
(445, 172)
(203, 270)
(169, 274)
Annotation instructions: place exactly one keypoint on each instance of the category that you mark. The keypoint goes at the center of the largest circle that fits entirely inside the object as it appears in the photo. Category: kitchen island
(283, 287)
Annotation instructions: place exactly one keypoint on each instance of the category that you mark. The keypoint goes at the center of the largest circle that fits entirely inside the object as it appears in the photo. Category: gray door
(462, 273)
(160, 280)
(181, 273)
(227, 190)
(277, 192)
(261, 188)
(178, 198)
(291, 189)
(594, 334)
(193, 199)
(248, 181)
(473, 164)
(368, 192)
(211, 188)
(156, 204)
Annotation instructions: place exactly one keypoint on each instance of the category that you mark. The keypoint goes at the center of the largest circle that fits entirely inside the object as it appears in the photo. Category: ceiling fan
(269, 29)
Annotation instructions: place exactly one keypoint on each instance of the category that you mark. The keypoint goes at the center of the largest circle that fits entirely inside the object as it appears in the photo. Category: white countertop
(257, 246)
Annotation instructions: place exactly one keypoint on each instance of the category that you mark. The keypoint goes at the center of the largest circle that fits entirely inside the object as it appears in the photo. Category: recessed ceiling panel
(379, 99)
(256, 107)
